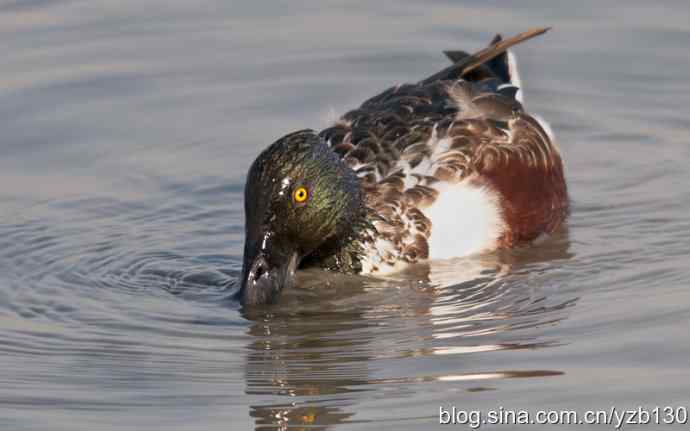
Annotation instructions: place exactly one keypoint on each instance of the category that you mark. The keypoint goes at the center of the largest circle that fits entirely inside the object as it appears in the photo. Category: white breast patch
(465, 219)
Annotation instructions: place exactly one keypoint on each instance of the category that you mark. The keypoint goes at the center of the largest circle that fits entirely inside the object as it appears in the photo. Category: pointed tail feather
(486, 54)
(465, 63)
(455, 56)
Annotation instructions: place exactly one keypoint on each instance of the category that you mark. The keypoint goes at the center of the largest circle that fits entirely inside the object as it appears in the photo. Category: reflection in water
(328, 338)
(288, 358)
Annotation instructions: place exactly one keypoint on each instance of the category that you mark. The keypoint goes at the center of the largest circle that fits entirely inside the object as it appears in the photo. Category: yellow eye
(300, 195)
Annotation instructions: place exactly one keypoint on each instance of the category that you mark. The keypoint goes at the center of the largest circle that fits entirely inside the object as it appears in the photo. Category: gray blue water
(127, 129)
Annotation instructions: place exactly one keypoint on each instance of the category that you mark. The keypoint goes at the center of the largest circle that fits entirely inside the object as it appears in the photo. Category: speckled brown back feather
(463, 123)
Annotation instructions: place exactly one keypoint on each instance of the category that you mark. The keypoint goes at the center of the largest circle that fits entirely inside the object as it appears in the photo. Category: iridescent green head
(299, 197)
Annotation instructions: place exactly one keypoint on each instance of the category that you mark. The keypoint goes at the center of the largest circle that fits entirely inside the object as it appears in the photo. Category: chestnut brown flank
(532, 197)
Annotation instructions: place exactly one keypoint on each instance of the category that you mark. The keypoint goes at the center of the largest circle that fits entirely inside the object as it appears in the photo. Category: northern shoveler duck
(445, 167)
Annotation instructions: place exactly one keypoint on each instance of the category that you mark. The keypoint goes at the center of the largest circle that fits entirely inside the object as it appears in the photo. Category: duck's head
(299, 196)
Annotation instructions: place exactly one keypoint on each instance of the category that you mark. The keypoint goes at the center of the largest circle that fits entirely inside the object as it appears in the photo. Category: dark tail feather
(466, 63)
(455, 56)
(494, 50)
(499, 65)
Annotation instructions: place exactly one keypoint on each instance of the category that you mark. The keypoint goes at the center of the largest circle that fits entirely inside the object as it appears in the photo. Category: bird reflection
(310, 359)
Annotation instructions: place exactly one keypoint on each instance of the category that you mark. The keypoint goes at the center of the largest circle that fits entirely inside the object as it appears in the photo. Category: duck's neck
(345, 253)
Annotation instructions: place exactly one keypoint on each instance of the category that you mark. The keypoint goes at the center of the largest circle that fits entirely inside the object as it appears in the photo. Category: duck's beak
(267, 269)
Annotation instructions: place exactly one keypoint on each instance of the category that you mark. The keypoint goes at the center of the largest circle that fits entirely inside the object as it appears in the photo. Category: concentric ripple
(102, 290)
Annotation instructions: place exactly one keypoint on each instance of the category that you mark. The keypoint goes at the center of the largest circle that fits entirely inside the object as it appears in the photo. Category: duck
(445, 167)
